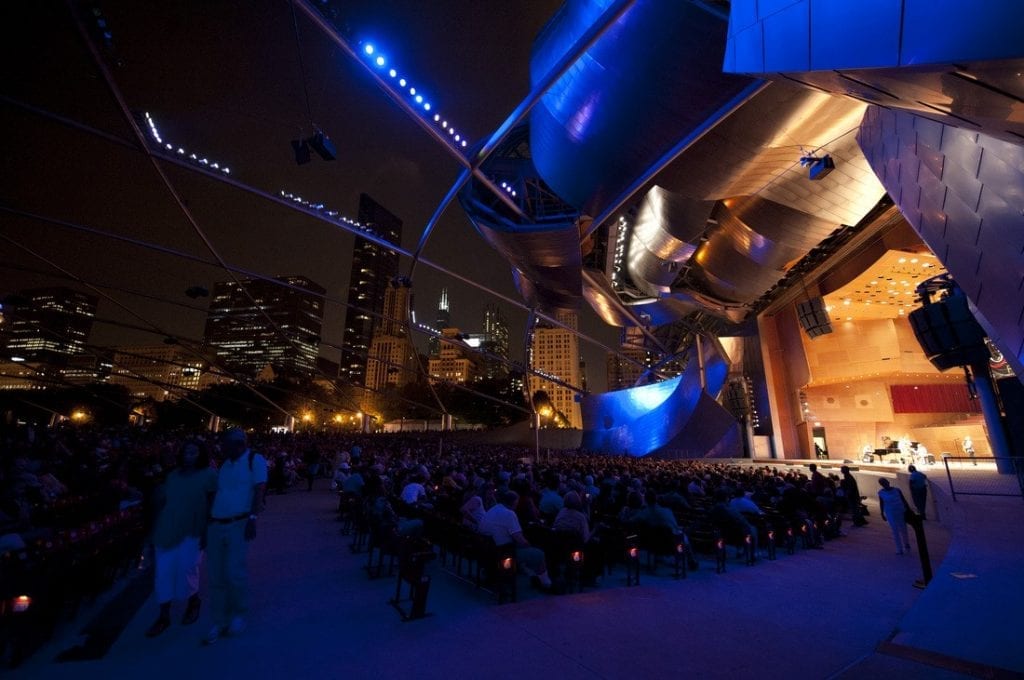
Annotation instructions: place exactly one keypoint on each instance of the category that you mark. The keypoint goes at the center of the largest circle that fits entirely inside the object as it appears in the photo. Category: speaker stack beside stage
(813, 317)
(948, 333)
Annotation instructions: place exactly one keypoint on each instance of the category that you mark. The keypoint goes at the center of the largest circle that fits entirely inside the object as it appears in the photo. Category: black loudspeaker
(813, 317)
(323, 145)
(948, 333)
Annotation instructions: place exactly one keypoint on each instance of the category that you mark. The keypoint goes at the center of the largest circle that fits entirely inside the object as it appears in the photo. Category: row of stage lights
(620, 250)
(319, 207)
(201, 160)
(380, 61)
(508, 189)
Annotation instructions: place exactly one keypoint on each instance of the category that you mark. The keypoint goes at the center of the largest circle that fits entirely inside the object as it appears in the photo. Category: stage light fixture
(818, 168)
(323, 146)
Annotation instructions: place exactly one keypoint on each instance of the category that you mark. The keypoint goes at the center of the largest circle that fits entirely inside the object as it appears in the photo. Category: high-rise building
(442, 320)
(373, 267)
(278, 327)
(455, 362)
(495, 343)
(392, 359)
(47, 325)
(623, 373)
(555, 351)
(157, 372)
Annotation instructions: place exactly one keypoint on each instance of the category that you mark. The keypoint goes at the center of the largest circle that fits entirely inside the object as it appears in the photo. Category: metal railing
(980, 476)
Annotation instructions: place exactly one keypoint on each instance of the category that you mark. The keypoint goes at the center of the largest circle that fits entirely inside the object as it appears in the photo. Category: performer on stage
(906, 454)
(969, 448)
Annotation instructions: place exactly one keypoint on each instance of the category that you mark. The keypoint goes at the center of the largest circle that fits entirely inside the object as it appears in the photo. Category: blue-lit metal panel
(654, 76)
(787, 39)
(938, 31)
(871, 33)
(644, 419)
(832, 24)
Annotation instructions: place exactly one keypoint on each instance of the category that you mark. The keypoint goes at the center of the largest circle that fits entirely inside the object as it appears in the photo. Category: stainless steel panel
(979, 240)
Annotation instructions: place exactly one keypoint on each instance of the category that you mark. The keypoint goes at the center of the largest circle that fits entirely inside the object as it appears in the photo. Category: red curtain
(952, 398)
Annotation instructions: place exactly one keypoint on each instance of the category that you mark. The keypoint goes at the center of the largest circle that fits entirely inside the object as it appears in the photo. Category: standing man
(892, 506)
(918, 489)
(241, 483)
(851, 492)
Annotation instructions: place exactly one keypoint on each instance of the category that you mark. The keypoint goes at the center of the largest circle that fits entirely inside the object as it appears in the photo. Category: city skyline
(209, 105)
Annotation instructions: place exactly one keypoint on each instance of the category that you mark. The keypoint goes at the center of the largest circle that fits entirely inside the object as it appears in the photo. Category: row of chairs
(54, 576)
(473, 557)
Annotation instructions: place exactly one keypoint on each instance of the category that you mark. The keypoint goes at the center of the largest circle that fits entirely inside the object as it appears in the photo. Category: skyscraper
(454, 362)
(621, 372)
(442, 320)
(154, 371)
(495, 343)
(555, 351)
(47, 325)
(373, 267)
(242, 331)
(391, 359)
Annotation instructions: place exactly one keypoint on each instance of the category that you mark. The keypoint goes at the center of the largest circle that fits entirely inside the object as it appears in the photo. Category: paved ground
(848, 611)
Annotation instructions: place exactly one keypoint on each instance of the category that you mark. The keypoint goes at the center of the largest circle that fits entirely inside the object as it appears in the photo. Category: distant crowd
(42, 470)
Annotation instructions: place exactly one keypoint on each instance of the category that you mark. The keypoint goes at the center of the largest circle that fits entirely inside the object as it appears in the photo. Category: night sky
(223, 79)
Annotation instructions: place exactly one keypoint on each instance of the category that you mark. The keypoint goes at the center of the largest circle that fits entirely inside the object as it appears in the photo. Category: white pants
(177, 570)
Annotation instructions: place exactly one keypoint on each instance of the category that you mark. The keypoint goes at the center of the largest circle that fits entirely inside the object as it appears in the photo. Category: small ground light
(22, 603)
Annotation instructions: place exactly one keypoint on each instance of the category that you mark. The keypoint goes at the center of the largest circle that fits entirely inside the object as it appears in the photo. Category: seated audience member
(354, 483)
(550, 500)
(502, 525)
(654, 514)
(526, 509)
(730, 521)
(472, 511)
(414, 493)
(740, 503)
(383, 517)
(571, 517)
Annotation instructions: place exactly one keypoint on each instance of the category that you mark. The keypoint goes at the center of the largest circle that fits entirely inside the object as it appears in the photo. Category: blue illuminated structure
(640, 178)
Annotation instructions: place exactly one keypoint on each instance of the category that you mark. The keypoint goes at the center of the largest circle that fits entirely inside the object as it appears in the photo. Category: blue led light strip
(402, 87)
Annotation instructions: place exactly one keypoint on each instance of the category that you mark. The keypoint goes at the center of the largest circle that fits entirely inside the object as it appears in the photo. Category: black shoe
(191, 612)
(159, 626)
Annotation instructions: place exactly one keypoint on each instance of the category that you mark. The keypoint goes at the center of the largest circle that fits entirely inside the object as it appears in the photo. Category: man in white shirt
(414, 492)
(241, 484)
(502, 525)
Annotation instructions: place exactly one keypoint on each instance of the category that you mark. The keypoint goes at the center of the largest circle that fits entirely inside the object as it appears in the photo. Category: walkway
(816, 614)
